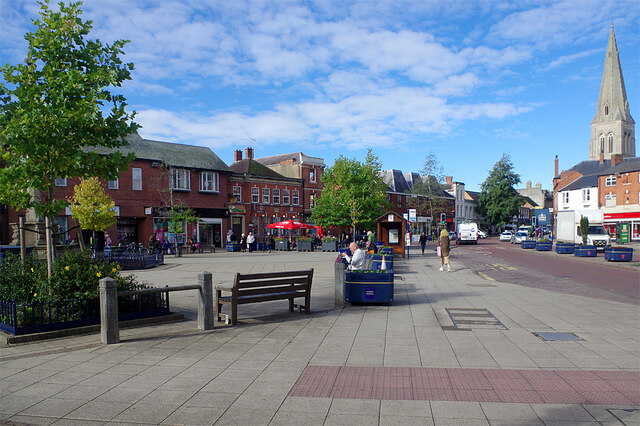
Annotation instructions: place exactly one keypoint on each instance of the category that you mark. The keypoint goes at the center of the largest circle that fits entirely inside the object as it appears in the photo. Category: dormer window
(606, 109)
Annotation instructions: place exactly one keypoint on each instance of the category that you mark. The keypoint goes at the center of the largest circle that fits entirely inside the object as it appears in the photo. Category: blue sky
(468, 80)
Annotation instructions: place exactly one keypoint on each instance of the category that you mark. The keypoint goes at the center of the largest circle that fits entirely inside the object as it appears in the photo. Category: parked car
(506, 236)
(453, 235)
(482, 234)
(519, 237)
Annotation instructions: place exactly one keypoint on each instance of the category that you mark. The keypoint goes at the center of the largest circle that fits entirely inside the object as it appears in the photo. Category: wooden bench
(262, 287)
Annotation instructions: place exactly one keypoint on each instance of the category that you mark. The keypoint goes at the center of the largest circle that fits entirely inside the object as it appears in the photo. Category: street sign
(406, 216)
(412, 215)
(541, 216)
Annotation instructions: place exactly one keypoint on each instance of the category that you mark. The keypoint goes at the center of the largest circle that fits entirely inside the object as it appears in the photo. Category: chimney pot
(556, 167)
(538, 186)
(616, 159)
(528, 184)
(449, 180)
(601, 157)
(249, 153)
(237, 155)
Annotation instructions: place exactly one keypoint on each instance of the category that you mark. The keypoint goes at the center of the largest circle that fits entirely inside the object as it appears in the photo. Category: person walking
(250, 240)
(243, 243)
(443, 244)
(270, 242)
(423, 242)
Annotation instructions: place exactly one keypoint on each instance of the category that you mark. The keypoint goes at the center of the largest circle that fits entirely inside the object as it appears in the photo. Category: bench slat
(275, 289)
(272, 282)
(268, 297)
(266, 275)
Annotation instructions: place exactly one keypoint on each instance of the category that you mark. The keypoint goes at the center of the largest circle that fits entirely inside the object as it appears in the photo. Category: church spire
(612, 128)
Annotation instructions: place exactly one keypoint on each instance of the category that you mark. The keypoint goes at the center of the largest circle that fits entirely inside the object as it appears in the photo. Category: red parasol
(290, 224)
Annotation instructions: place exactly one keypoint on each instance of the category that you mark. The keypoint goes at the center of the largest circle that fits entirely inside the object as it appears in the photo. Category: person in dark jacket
(243, 243)
(270, 242)
(423, 242)
(443, 243)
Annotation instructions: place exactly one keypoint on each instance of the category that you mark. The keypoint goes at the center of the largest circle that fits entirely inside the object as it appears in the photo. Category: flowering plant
(329, 239)
(305, 238)
(280, 238)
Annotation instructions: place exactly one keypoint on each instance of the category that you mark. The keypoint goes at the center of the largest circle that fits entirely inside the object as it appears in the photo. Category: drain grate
(554, 336)
(474, 318)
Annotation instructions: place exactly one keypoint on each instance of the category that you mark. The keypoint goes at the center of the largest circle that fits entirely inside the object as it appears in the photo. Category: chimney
(538, 186)
(449, 180)
(556, 167)
(528, 184)
(616, 159)
(248, 153)
(601, 157)
(237, 155)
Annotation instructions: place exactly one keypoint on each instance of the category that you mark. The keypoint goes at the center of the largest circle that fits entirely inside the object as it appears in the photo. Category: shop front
(624, 226)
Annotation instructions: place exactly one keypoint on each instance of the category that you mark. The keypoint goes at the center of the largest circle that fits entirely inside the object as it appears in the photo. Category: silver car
(506, 236)
(519, 237)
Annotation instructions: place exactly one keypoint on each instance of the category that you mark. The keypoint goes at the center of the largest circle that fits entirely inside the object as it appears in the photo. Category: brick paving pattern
(483, 385)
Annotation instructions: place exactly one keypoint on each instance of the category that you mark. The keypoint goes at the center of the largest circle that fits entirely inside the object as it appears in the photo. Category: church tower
(612, 128)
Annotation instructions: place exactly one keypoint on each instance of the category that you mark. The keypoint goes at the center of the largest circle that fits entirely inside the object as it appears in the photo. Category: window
(312, 200)
(606, 109)
(237, 193)
(601, 143)
(610, 181)
(586, 195)
(266, 196)
(276, 196)
(610, 140)
(610, 200)
(114, 184)
(255, 195)
(312, 175)
(285, 197)
(136, 179)
(61, 182)
(209, 182)
(565, 197)
(295, 198)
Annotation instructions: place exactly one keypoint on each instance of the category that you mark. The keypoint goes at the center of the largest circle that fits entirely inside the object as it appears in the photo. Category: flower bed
(565, 248)
(618, 254)
(368, 286)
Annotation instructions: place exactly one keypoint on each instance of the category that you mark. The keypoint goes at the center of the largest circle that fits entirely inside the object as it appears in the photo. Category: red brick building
(162, 174)
(261, 196)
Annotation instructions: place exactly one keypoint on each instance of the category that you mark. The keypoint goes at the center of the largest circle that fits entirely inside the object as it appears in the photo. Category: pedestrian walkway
(408, 363)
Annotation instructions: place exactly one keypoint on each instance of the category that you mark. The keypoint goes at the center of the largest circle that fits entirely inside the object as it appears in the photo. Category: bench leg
(234, 312)
(218, 305)
(291, 305)
(307, 303)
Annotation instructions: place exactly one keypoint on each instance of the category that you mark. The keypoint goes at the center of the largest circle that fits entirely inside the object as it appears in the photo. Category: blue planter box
(528, 244)
(565, 248)
(376, 261)
(304, 245)
(546, 246)
(233, 247)
(363, 287)
(585, 251)
(282, 245)
(386, 250)
(618, 254)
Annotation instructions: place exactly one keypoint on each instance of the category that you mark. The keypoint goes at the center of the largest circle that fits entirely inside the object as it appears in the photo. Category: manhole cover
(553, 336)
(474, 318)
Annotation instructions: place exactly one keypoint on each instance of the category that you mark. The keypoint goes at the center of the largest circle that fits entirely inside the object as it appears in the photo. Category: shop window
(276, 196)
(295, 197)
(180, 180)
(136, 179)
(266, 196)
(255, 195)
(209, 182)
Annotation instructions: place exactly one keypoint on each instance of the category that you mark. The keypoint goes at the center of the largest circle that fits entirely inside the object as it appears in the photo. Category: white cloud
(563, 60)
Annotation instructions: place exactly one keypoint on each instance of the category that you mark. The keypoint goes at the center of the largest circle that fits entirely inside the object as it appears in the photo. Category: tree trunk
(23, 243)
(49, 241)
(80, 236)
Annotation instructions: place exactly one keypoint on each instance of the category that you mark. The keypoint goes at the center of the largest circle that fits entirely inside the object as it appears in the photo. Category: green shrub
(329, 239)
(18, 282)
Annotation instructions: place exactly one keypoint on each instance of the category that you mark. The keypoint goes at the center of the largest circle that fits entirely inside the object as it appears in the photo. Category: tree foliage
(354, 194)
(499, 201)
(51, 111)
(584, 229)
(91, 205)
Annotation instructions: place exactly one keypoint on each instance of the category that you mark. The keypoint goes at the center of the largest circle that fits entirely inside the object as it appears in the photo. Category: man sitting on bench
(357, 259)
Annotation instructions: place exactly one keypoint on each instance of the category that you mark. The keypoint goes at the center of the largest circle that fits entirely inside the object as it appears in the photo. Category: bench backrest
(273, 282)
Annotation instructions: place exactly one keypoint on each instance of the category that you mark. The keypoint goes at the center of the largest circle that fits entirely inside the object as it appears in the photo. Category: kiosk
(391, 228)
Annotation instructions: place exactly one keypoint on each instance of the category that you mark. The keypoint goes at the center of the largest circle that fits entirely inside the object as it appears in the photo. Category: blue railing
(35, 317)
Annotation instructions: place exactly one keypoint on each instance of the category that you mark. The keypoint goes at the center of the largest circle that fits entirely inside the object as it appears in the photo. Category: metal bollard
(109, 329)
(339, 282)
(205, 301)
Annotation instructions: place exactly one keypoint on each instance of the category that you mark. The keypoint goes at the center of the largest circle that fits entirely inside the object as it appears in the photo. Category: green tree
(51, 111)
(499, 201)
(92, 206)
(354, 194)
(584, 229)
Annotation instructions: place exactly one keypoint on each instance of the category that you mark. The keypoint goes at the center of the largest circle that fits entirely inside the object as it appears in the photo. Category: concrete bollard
(339, 282)
(205, 301)
(109, 329)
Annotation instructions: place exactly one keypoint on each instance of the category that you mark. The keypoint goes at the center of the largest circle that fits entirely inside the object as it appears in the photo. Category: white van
(468, 233)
